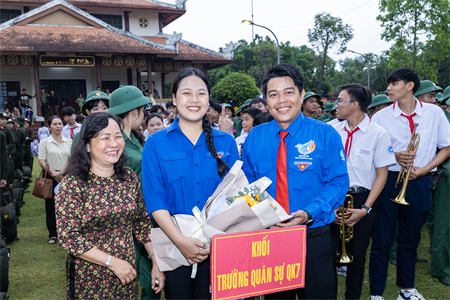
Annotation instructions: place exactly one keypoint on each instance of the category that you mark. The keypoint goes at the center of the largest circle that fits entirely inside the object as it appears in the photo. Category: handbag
(43, 187)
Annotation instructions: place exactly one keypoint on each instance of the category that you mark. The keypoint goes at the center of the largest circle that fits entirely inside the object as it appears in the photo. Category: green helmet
(427, 86)
(126, 98)
(94, 95)
(380, 99)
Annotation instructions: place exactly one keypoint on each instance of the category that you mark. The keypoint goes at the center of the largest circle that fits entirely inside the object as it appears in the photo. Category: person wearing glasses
(368, 153)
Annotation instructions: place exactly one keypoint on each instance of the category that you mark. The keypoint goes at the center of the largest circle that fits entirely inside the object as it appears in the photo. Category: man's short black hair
(407, 75)
(24, 90)
(68, 111)
(170, 104)
(217, 107)
(258, 100)
(359, 93)
(284, 70)
(155, 108)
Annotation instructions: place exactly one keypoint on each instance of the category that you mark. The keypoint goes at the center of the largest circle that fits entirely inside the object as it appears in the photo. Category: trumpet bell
(400, 199)
(344, 259)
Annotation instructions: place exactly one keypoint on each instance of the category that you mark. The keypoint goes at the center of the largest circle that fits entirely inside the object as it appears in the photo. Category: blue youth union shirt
(316, 166)
(177, 175)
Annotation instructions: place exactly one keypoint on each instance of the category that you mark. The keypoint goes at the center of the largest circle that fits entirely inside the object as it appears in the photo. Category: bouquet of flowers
(235, 206)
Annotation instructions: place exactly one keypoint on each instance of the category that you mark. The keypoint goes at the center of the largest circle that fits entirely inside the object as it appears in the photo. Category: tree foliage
(328, 32)
(235, 86)
(421, 32)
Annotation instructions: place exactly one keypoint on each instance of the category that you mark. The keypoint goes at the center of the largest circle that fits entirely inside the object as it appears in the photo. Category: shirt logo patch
(302, 164)
(342, 155)
(365, 152)
(219, 154)
(307, 148)
(390, 149)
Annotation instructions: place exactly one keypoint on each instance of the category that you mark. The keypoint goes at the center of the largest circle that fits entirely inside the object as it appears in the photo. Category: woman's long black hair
(80, 161)
(222, 166)
(136, 133)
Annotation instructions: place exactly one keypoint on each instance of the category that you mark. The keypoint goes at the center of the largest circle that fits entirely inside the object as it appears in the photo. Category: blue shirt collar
(176, 126)
(293, 128)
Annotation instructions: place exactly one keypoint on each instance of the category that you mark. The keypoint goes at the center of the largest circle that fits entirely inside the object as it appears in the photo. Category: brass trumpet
(405, 172)
(346, 232)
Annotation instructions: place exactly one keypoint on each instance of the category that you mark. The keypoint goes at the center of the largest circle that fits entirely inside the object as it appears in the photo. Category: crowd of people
(124, 164)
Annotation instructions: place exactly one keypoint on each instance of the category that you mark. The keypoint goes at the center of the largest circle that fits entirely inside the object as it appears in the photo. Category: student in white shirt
(434, 130)
(367, 146)
(43, 132)
(72, 127)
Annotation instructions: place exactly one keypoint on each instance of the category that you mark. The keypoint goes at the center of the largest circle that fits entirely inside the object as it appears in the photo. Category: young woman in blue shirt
(182, 166)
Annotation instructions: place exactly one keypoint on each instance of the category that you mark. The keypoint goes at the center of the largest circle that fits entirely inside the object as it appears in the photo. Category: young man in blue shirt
(305, 160)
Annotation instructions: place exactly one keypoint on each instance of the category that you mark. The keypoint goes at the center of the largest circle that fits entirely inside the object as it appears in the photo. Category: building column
(149, 73)
(98, 65)
(129, 77)
(138, 78)
(163, 85)
(126, 16)
(37, 86)
(205, 69)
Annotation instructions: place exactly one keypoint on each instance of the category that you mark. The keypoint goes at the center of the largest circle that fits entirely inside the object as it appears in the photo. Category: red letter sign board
(259, 262)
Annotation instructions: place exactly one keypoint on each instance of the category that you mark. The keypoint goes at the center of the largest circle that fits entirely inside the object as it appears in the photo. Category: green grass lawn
(37, 269)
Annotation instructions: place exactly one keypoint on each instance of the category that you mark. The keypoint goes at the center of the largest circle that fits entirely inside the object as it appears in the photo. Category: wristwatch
(310, 219)
(369, 209)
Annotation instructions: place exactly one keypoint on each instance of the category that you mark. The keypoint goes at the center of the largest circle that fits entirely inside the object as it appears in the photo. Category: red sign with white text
(259, 262)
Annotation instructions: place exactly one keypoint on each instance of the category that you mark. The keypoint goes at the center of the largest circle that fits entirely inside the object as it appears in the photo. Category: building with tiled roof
(74, 46)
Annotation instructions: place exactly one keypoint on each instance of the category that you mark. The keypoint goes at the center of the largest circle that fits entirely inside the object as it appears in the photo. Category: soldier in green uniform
(96, 101)
(427, 91)
(10, 145)
(332, 112)
(440, 231)
(28, 158)
(4, 161)
(128, 103)
(310, 104)
(379, 102)
(21, 138)
(326, 111)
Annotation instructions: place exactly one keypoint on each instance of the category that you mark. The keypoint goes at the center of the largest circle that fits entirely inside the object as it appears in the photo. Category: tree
(421, 32)
(235, 86)
(327, 33)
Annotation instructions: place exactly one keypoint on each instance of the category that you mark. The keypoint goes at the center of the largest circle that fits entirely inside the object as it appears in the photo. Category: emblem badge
(307, 148)
(98, 94)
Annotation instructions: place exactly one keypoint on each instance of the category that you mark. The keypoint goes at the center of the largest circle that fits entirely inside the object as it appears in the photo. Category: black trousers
(356, 247)
(50, 213)
(320, 274)
(44, 108)
(179, 284)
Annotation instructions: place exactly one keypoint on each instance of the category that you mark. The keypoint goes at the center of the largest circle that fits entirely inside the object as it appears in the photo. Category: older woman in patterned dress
(99, 208)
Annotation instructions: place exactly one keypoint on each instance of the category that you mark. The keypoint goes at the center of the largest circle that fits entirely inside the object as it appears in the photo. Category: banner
(258, 262)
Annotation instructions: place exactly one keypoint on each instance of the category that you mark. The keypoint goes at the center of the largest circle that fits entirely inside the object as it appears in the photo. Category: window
(113, 20)
(8, 14)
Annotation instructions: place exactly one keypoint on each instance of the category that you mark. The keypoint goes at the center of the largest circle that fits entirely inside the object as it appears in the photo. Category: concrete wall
(153, 24)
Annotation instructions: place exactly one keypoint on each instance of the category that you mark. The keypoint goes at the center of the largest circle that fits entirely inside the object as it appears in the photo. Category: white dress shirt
(370, 149)
(434, 130)
(43, 133)
(66, 130)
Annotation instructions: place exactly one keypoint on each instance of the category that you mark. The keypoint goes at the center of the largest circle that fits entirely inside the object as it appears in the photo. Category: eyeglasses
(340, 101)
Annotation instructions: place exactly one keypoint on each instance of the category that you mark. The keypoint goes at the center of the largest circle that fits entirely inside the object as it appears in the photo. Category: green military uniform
(28, 158)
(11, 148)
(124, 99)
(21, 137)
(4, 162)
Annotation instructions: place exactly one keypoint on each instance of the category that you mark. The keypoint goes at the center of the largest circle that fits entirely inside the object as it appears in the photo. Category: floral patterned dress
(103, 212)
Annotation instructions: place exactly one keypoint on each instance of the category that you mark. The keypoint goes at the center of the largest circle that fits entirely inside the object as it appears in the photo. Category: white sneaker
(414, 296)
(376, 297)
(342, 271)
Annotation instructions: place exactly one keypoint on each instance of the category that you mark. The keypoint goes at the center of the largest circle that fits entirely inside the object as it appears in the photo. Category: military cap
(10, 121)
(328, 106)
(311, 94)
(92, 96)
(427, 86)
(446, 94)
(126, 98)
(20, 120)
(4, 116)
(380, 99)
